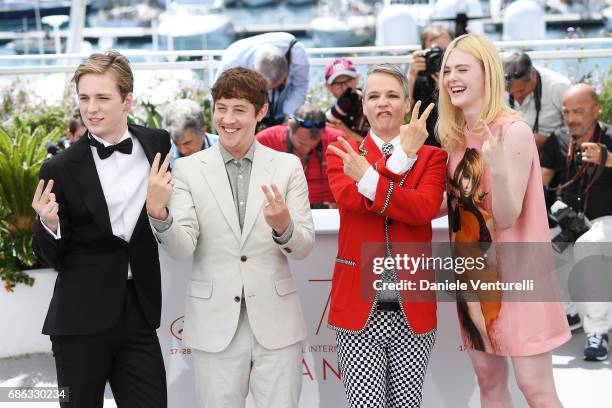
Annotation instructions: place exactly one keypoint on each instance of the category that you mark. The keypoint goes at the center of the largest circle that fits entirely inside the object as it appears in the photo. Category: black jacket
(92, 263)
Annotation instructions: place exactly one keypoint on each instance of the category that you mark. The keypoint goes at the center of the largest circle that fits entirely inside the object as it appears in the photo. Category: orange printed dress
(488, 323)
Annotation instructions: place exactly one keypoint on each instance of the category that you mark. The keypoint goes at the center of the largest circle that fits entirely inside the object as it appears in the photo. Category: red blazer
(410, 208)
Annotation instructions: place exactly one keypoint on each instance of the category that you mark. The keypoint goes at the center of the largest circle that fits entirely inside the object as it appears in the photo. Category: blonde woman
(474, 118)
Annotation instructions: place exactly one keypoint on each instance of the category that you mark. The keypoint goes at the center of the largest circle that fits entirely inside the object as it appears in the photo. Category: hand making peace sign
(414, 134)
(159, 188)
(275, 210)
(493, 148)
(355, 165)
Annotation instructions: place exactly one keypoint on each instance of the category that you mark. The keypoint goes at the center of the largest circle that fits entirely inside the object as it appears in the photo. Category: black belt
(388, 306)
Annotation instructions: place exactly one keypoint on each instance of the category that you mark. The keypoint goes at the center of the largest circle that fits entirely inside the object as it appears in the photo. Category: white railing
(395, 49)
(356, 53)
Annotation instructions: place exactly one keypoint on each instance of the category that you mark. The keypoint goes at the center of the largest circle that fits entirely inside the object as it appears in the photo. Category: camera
(349, 109)
(433, 60)
(572, 225)
(55, 148)
(269, 122)
(319, 206)
(578, 157)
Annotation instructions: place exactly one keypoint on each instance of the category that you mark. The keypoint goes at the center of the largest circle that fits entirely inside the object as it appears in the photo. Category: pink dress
(507, 328)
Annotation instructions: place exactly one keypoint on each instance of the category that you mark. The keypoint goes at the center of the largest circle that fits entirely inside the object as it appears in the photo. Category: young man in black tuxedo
(94, 231)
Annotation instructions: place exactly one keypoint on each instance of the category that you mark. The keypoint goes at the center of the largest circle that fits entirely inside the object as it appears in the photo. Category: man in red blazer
(388, 189)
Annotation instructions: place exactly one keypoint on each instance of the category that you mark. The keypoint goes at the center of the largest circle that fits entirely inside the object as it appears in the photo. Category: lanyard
(537, 97)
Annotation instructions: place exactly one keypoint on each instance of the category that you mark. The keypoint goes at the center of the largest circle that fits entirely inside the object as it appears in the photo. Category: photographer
(307, 137)
(536, 94)
(346, 115)
(282, 60)
(423, 74)
(576, 160)
(76, 129)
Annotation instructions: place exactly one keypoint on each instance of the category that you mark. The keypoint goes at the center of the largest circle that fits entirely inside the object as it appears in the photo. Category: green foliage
(12, 251)
(12, 98)
(147, 115)
(22, 152)
(604, 87)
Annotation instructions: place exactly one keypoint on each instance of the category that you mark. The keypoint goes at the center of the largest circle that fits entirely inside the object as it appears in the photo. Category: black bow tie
(124, 147)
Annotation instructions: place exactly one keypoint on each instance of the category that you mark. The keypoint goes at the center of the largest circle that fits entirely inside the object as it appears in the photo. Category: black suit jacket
(92, 263)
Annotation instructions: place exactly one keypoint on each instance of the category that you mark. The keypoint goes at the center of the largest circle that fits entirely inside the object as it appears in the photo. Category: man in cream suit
(241, 209)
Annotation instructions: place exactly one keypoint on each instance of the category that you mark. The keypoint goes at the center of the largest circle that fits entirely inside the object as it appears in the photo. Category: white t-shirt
(551, 115)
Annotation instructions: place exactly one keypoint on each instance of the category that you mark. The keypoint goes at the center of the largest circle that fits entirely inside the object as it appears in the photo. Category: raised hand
(417, 64)
(159, 188)
(492, 148)
(45, 205)
(591, 152)
(275, 210)
(414, 134)
(355, 165)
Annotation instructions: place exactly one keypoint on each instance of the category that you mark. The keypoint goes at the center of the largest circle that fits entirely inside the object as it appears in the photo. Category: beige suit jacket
(205, 224)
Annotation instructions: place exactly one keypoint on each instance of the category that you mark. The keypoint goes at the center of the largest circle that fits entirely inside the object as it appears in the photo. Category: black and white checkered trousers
(384, 365)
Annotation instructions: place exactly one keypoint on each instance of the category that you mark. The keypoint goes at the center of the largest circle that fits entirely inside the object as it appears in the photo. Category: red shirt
(275, 137)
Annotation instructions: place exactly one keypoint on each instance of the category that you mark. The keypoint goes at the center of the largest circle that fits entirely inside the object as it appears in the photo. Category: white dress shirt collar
(126, 135)
(379, 142)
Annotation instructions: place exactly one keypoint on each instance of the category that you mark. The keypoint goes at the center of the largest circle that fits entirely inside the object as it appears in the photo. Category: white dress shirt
(124, 183)
(398, 163)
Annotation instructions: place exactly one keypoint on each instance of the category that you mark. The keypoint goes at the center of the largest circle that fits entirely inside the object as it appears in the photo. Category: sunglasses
(308, 124)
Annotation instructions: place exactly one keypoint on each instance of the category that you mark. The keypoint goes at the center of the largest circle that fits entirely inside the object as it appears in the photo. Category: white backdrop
(450, 380)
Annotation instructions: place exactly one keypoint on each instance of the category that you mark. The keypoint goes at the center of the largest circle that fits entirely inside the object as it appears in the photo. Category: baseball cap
(339, 66)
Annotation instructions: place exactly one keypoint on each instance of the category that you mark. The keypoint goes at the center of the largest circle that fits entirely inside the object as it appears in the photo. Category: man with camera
(577, 162)
(76, 129)
(282, 60)
(341, 80)
(423, 74)
(536, 94)
(307, 137)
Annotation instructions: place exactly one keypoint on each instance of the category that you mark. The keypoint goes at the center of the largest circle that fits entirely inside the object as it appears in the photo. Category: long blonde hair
(450, 118)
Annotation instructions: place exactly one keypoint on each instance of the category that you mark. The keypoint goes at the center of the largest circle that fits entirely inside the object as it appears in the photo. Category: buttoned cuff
(399, 162)
(161, 225)
(367, 184)
(283, 239)
(56, 235)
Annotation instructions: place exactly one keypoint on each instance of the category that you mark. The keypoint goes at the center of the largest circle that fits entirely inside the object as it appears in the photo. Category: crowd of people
(496, 143)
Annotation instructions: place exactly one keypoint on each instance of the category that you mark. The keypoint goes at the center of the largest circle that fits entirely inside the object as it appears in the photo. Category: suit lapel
(83, 168)
(215, 175)
(149, 144)
(369, 149)
(261, 173)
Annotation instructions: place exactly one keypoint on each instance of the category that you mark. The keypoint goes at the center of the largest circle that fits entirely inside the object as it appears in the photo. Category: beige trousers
(223, 379)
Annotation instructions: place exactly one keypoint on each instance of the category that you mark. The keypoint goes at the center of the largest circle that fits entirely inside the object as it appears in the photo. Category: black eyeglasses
(308, 124)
